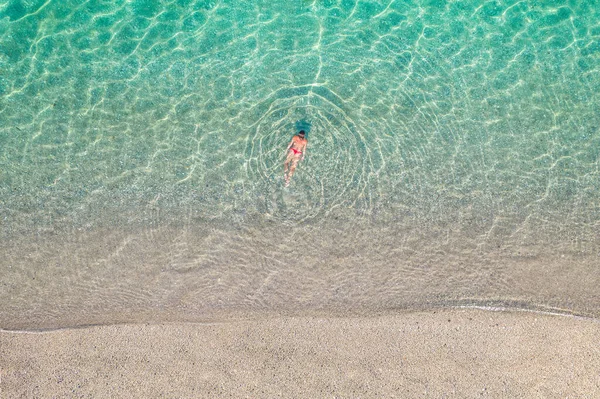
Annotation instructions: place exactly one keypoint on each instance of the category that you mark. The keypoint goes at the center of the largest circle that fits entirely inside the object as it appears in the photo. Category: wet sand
(451, 353)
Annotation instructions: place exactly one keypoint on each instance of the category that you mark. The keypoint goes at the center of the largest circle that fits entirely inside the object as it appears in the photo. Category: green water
(452, 159)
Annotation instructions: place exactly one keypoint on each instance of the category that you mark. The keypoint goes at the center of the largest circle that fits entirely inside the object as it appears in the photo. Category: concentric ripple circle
(338, 175)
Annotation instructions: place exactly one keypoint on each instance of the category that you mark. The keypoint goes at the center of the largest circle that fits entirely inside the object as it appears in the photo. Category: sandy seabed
(460, 353)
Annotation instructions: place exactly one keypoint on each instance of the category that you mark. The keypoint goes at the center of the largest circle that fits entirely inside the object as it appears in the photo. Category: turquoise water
(452, 159)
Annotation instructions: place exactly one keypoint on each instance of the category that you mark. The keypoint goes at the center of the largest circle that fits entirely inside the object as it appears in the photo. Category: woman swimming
(296, 151)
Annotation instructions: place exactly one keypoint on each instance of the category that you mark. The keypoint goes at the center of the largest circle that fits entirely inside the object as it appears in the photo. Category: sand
(460, 353)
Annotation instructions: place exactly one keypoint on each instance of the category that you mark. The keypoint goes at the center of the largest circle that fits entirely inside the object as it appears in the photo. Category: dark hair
(301, 132)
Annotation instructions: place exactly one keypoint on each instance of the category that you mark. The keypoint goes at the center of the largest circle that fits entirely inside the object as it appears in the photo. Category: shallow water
(453, 158)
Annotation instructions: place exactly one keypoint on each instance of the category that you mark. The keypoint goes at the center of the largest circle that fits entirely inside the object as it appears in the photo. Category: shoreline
(194, 275)
(452, 352)
(256, 317)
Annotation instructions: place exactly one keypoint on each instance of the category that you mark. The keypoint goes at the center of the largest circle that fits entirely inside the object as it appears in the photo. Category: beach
(452, 353)
(440, 236)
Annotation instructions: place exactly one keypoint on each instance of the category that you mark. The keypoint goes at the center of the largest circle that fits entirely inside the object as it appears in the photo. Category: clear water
(452, 160)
